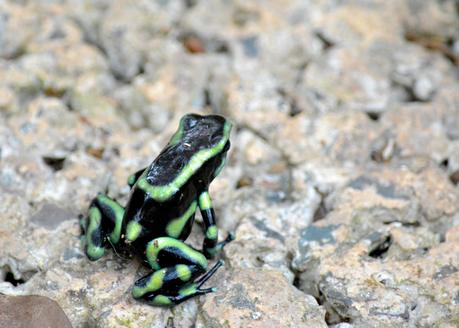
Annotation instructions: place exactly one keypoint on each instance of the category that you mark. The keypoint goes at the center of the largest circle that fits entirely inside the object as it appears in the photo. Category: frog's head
(203, 140)
(196, 153)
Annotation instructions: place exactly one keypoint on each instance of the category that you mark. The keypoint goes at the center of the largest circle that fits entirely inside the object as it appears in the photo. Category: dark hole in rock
(321, 212)
(449, 41)
(442, 237)
(376, 156)
(218, 46)
(56, 163)
(383, 150)
(10, 278)
(454, 177)
(414, 224)
(296, 281)
(294, 109)
(141, 70)
(292, 102)
(321, 298)
(116, 151)
(207, 98)
(444, 164)
(327, 44)
(374, 116)
(381, 249)
(410, 95)
(260, 261)
(244, 181)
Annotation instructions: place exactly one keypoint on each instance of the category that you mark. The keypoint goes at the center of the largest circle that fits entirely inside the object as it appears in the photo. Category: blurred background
(341, 183)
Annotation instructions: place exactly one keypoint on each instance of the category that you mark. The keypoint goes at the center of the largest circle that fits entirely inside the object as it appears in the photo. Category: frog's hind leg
(189, 290)
(103, 224)
(202, 280)
(177, 266)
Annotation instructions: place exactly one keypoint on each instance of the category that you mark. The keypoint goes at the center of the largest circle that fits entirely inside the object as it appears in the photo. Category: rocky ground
(341, 185)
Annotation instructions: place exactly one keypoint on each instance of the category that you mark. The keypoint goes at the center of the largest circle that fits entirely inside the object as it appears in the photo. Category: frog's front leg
(103, 224)
(211, 246)
(132, 179)
(177, 266)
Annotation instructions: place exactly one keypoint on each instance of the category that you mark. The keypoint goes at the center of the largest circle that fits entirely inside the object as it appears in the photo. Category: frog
(159, 214)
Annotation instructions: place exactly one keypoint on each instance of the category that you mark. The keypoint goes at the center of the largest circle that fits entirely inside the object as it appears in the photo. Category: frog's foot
(176, 266)
(169, 286)
(103, 224)
(202, 280)
(211, 252)
(184, 294)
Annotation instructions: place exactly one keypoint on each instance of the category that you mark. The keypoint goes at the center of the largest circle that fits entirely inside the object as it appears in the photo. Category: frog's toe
(94, 252)
(231, 236)
(206, 290)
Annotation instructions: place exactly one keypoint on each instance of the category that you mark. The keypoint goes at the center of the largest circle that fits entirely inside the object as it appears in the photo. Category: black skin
(154, 216)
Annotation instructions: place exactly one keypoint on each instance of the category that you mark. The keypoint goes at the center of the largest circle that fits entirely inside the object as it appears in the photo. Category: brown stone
(31, 312)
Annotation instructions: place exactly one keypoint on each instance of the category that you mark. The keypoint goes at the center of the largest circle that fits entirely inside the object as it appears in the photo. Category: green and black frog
(159, 214)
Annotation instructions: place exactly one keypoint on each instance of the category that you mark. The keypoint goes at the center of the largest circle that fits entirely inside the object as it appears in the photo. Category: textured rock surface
(247, 299)
(342, 181)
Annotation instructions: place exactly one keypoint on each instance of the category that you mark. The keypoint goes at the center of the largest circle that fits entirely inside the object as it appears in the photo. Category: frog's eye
(191, 123)
(215, 139)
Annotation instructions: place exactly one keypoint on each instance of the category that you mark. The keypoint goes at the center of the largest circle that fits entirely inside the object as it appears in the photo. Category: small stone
(424, 89)
(31, 312)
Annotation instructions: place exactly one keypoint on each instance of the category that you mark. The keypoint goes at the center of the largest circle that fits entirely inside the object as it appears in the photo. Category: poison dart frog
(159, 214)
